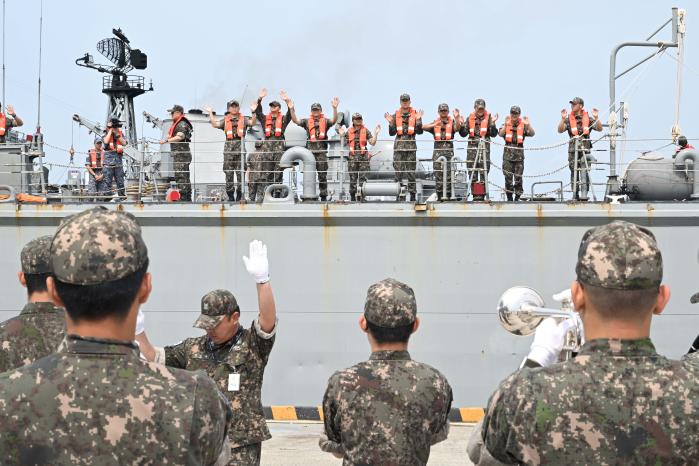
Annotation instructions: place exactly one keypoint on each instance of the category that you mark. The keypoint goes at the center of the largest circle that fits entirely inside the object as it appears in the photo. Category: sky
(537, 55)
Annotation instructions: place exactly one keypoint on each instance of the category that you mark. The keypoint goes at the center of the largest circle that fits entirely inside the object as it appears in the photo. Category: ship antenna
(41, 26)
(3, 51)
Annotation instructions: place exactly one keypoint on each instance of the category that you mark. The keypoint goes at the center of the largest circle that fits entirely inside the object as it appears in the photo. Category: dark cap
(619, 255)
(515, 109)
(682, 141)
(390, 303)
(443, 107)
(577, 100)
(215, 305)
(357, 116)
(97, 246)
(404, 97)
(275, 103)
(479, 103)
(176, 108)
(98, 140)
(35, 256)
(233, 103)
(316, 106)
(694, 299)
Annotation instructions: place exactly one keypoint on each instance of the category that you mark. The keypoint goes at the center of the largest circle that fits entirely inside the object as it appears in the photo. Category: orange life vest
(411, 121)
(322, 127)
(574, 124)
(520, 131)
(277, 125)
(93, 159)
(351, 134)
(228, 126)
(3, 124)
(483, 131)
(115, 145)
(444, 133)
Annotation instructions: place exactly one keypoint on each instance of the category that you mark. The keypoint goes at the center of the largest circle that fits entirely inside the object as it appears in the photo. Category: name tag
(233, 382)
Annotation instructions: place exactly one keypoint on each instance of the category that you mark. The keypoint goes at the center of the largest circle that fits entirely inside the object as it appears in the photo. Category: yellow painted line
(471, 414)
(284, 413)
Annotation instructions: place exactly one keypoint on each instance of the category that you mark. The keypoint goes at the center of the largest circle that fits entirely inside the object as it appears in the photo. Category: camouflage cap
(233, 103)
(215, 305)
(404, 97)
(97, 246)
(478, 103)
(98, 140)
(390, 303)
(619, 255)
(35, 256)
(515, 109)
(316, 106)
(357, 116)
(275, 103)
(577, 100)
(443, 107)
(176, 108)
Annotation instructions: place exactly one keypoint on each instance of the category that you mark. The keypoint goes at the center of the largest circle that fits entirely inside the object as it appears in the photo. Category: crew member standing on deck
(316, 126)
(7, 121)
(234, 125)
(356, 139)
(578, 124)
(404, 124)
(114, 143)
(443, 128)
(179, 137)
(274, 124)
(480, 126)
(515, 130)
(682, 144)
(233, 356)
(94, 164)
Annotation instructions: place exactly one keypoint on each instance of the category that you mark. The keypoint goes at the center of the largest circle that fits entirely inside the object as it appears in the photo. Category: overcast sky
(537, 55)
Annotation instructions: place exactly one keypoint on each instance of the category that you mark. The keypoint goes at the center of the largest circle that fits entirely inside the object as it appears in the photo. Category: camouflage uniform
(261, 164)
(231, 159)
(9, 124)
(405, 151)
(96, 401)
(388, 410)
(320, 152)
(358, 165)
(473, 163)
(94, 187)
(246, 354)
(584, 150)
(38, 330)
(181, 158)
(618, 401)
(442, 149)
(274, 145)
(513, 161)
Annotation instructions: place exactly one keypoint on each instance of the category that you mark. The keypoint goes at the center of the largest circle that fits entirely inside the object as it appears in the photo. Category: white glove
(549, 340)
(257, 264)
(140, 323)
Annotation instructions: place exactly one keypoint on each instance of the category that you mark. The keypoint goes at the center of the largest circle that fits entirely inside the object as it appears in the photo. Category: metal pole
(678, 29)
(453, 177)
(40, 137)
(342, 167)
(485, 171)
(575, 170)
(3, 52)
(140, 170)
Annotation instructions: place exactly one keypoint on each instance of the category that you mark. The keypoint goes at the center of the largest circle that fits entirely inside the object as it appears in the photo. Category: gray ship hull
(458, 257)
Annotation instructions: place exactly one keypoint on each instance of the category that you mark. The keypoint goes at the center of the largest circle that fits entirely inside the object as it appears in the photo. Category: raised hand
(284, 95)
(208, 109)
(377, 129)
(495, 118)
(419, 114)
(256, 262)
(388, 117)
(289, 103)
(525, 120)
(335, 102)
(10, 110)
(595, 113)
(253, 107)
(564, 114)
(457, 113)
(263, 93)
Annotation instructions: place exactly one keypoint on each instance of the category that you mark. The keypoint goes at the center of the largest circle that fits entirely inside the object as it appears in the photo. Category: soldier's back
(36, 332)
(390, 409)
(617, 402)
(97, 402)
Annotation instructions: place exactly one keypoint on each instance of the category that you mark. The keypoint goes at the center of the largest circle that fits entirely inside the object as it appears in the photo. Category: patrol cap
(577, 100)
(215, 305)
(682, 141)
(357, 116)
(404, 97)
(35, 256)
(97, 246)
(515, 109)
(316, 106)
(98, 140)
(694, 299)
(275, 103)
(233, 103)
(479, 103)
(619, 255)
(176, 108)
(390, 303)
(443, 107)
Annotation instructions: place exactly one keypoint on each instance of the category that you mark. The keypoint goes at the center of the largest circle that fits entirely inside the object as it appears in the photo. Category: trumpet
(521, 309)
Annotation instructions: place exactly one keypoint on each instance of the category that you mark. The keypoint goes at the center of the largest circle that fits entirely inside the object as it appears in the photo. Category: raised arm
(11, 112)
(375, 136)
(335, 102)
(253, 116)
(528, 129)
(598, 122)
(562, 122)
(257, 266)
(258, 107)
(214, 122)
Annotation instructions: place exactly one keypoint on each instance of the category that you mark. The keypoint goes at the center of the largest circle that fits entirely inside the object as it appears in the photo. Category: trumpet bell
(511, 314)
